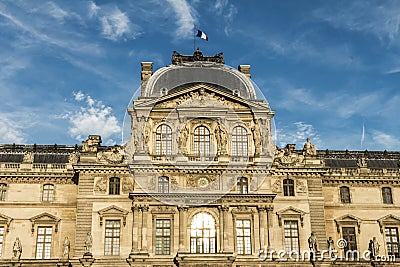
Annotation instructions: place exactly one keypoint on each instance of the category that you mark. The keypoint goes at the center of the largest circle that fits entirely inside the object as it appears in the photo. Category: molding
(45, 218)
(113, 211)
(388, 220)
(348, 220)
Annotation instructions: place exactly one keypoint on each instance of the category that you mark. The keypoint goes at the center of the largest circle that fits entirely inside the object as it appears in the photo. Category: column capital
(181, 208)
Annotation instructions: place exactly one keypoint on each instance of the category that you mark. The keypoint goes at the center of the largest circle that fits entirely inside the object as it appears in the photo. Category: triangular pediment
(5, 220)
(198, 92)
(45, 217)
(348, 218)
(290, 213)
(390, 219)
(113, 210)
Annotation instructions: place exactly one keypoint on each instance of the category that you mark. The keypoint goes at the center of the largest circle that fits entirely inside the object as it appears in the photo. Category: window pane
(48, 192)
(43, 243)
(203, 234)
(163, 140)
(291, 232)
(114, 185)
(201, 141)
(112, 237)
(163, 236)
(243, 236)
(239, 142)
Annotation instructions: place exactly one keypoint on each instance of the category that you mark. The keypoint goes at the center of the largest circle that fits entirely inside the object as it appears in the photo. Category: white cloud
(93, 9)
(57, 12)
(297, 133)
(386, 140)
(10, 131)
(228, 11)
(186, 19)
(381, 19)
(115, 25)
(92, 118)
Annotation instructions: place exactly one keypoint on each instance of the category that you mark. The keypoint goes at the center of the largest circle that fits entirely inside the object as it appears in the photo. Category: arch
(163, 140)
(203, 233)
(201, 141)
(240, 145)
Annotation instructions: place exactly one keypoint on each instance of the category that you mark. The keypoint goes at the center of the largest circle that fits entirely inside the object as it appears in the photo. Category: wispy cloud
(381, 19)
(10, 130)
(92, 118)
(228, 11)
(186, 18)
(56, 11)
(296, 133)
(388, 141)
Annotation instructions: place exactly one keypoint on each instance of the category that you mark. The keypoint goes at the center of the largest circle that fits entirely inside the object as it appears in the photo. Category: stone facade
(200, 183)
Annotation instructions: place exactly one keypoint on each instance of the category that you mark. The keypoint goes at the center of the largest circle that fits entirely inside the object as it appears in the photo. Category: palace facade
(199, 183)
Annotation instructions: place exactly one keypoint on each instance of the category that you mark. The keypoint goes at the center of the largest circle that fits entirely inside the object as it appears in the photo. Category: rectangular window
(163, 236)
(291, 236)
(43, 244)
(387, 195)
(1, 239)
(48, 192)
(349, 234)
(243, 236)
(112, 237)
(392, 240)
(3, 192)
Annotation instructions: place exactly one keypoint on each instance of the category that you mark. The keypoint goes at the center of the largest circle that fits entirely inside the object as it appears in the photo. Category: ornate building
(200, 183)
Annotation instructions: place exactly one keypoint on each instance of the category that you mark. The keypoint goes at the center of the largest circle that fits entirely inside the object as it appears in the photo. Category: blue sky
(69, 68)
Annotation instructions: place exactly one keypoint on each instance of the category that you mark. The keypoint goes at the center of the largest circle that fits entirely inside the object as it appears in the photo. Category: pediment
(113, 211)
(202, 95)
(291, 213)
(45, 218)
(5, 220)
(388, 220)
(348, 220)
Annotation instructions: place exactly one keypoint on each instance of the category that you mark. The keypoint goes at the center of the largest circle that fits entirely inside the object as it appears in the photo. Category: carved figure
(66, 248)
(183, 139)
(371, 250)
(257, 138)
(331, 247)
(17, 249)
(28, 157)
(101, 185)
(312, 242)
(376, 246)
(73, 157)
(309, 149)
(88, 243)
(220, 135)
(362, 162)
(91, 144)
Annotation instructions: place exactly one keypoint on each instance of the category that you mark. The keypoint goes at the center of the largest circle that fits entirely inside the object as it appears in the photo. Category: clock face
(202, 182)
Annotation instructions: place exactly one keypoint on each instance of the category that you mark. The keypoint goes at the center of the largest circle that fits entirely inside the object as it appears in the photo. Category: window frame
(2, 237)
(43, 243)
(391, 243)
(387, 197)
(165, 250)
(201, 141)
(344, 194)
(114, 185)
(163, 184)
(163, 144)
(293, 240)
(203, 244)
(240, 142)
(348, 242)
(288, 187)
(112, 237)
(246, 240)
(48, 192)
(3, 191)
(242, 185)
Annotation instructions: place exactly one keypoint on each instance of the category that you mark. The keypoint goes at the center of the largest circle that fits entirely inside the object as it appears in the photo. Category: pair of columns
(139, 229)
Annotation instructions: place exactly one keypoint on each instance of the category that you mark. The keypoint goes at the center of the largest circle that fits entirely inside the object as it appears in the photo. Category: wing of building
(199, 183)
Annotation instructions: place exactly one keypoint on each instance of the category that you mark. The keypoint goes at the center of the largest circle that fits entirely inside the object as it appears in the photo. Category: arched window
(387, 195)
(163, 184)
(242, 185)
(203, 234)
(202, 141)
(3, 192)
(163, 140)
(345, 194)
(239, 142)
(48, 193)
(288, 187)
(114, 186)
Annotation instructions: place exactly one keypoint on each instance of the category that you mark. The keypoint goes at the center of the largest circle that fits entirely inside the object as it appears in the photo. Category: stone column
(182, 227)
(221, 229)
(270, 209)
(135, 210)
(145, 210)
(228, 229)
(263, 220)
(140, 225)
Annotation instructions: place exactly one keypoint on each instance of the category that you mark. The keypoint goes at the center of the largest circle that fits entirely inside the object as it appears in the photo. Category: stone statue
(362, 162)
(257, 138)
(220, 135)
(28, 157)
(312, 242)
(331, 247)
(17, 249)
(183, 139)
(371, 250)
(376, 246)
(88, 244)
(309, 149)
(66, 248)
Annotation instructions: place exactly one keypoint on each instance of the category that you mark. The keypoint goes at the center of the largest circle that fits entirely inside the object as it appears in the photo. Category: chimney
(147, 71)
(245, 69)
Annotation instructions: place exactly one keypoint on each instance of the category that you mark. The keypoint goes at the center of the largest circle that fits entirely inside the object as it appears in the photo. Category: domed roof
(174, 77)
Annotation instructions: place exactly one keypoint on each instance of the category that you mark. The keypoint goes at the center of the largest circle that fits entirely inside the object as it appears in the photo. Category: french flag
(202, 35)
